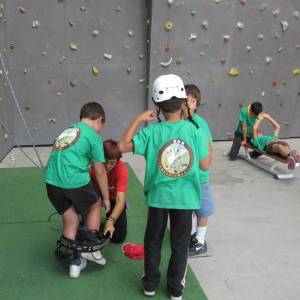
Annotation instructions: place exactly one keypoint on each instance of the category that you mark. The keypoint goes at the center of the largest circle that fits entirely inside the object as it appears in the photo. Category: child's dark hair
(92, 111)
(256, 108)
(169, 106)
(111, 150)
(193, 90)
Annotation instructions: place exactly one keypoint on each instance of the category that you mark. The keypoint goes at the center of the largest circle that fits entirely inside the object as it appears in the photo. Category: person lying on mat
(117, 175)
(271, 144)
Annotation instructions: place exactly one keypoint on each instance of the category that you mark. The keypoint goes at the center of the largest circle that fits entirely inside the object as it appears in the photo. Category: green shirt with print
(172, 151)
(261, 141)
(246, 116)
(204, 175)
(71, 156)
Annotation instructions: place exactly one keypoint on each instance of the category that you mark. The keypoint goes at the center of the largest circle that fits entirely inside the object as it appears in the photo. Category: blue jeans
(207, 207)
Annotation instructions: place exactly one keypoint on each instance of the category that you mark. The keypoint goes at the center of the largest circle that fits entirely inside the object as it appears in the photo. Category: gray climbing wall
(208, 38)
(64, 53)
(236, 51)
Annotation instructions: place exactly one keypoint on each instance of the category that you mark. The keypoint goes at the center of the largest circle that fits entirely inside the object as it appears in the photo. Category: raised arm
(125, 144)
(244, 133)
(275, 125)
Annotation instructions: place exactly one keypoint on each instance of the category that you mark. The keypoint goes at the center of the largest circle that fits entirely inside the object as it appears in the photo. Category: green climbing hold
(73, 46)
(179, 60)
(73, 83)
(204, 24)
(95, 33)
(12, 45)
(141, 56)
(194, 13)
(71, 23)
(82, 8)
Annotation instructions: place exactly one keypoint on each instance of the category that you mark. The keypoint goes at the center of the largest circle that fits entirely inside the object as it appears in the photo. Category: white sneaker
(75, 270)
(175, 298)
(95, 257)
(149, 293)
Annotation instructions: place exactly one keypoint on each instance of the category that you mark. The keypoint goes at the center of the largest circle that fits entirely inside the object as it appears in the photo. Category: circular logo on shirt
(66, 139)
(175, 158)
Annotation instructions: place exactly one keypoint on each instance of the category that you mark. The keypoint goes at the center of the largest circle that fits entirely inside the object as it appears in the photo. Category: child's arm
(244, 133)
(275, 125)
(125, 144)
(255, 130)
(101, 178)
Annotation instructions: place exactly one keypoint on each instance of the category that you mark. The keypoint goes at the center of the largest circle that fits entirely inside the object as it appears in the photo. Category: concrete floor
(253, 237)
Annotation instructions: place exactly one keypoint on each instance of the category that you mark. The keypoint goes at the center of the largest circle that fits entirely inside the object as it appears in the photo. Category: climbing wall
(64, 53)
(5, 108)
(236, 51)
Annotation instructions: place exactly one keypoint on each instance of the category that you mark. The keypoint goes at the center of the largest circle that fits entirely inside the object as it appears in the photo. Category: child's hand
(109, 228)
(262, 115)
(106, 205)
(148, 115)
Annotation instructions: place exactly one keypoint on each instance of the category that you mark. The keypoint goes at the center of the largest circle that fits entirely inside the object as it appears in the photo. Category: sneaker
(175, 298)
(95, 257)
(291, 163)
(193, 241)
(149, 293)
(197, 249)
(295, 155)
(76, 266)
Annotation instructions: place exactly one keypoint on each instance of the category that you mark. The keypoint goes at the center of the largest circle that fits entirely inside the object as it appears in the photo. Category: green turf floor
(28, 267)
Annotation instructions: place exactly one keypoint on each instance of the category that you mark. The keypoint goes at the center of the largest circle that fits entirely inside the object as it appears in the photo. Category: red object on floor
(133, 251)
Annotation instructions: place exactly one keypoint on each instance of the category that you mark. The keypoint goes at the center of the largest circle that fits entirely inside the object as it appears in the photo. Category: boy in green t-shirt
(271, 144)
(174, 149)
(198, 244)
(71, 192)
(243, 133)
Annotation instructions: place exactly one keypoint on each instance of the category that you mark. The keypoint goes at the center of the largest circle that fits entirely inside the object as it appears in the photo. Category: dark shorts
(268, 147)
(80, 198)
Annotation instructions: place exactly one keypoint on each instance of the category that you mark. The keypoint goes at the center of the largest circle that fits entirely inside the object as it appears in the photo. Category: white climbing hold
(284, 25)
(62, 59)
(130, 33)
(170, 2)
(275, 13)
(52, 120)
(58, 94)
(279, 49)
(248, 48)
(193, 36)
(268, 60)
(226, 38)
(107, 56)
(296, 14)
(166, 63)
(35, 24)
(141, 80)
(240, 25)
(260, 36)
(276, 35)
(5, 136)
(263, 93)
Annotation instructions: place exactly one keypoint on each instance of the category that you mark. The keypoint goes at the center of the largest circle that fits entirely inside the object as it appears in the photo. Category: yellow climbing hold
(296, 72)
(73, 46)
(95, 71)
(233, 72)
(95, 33)
(168, 25)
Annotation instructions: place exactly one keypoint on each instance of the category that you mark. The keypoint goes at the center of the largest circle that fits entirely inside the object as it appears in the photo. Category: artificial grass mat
(28, 267)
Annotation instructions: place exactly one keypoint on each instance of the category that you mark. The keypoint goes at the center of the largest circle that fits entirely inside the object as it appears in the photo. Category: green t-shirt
(71, 156)
(172, 151)
(204, 175)
(261, 141)
(250, 119)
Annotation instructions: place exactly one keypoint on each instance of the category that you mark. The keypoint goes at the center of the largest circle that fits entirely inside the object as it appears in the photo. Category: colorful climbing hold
(296, 72)
(168, 25)
(95, 70)
(12, 45)
(73, 82)
(50, 81)
(275, 12)
(240, 25)
(27, 107)
(204, 24)
(141, 56)
(296, 14)
(179, 60)
(284, 25)
(82, 8)
(35, 24)
(166, 63)
(95, 33)
(226, 38)
(73, 46)
(107, 56)
(21, 9)
(167, 47)
(194, 13)
(268, 60)
(233, 72)
(243, 2)
(71, 23)
(188, 72)
(202, 53)
(223, 60)
(274, 82)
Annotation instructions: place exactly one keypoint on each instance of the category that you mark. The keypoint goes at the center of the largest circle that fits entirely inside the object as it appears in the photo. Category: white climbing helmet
(165, 87)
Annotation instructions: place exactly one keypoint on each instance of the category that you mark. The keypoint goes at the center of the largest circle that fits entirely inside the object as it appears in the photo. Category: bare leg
(202, 222)
(93, 217)
(283, 150)
(70, 223)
